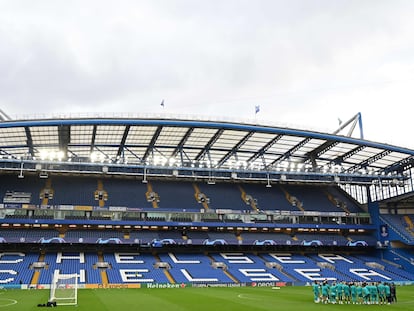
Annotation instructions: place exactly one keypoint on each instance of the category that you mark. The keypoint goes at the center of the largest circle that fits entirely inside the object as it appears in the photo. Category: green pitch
(194, 299)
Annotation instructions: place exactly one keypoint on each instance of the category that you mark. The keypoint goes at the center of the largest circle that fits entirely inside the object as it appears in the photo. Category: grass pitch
(195, 299)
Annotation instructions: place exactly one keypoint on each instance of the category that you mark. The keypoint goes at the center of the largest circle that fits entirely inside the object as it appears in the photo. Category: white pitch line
(243, 296)
(12, 302)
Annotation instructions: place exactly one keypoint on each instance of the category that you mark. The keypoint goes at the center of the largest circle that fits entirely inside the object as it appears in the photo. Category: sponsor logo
(267, 284)
(164, 285)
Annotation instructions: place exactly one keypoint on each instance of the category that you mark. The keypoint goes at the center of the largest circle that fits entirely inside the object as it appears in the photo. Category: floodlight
(60, 154)
(43, 154)
(51, 155)
(93, 156)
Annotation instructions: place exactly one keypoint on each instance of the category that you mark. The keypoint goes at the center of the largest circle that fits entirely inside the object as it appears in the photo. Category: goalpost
(64, 289)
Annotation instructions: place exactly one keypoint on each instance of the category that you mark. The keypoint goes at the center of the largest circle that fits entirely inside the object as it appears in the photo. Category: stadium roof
(214, 146)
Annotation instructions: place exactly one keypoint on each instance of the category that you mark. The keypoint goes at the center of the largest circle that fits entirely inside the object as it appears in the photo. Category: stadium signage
(121, 286)
(117, 208)
(267, 284)
(66, 207)
(108, 286)
(219, 285)
(185, 223)
(164, 285)
(10, 205)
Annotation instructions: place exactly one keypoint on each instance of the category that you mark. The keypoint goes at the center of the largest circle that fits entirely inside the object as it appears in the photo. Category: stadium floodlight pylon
(64, 289)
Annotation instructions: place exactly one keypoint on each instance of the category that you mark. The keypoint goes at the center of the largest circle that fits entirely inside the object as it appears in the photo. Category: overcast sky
(304, 62)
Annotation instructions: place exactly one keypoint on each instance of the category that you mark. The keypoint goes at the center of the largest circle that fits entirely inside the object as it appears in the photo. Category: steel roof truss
(64, 139)
(132, 153)
(29, 141)
(369, 161)
(120, 152)
(326, 147)
(209, 144)
(93, 138)
(179, 147)
(400, 166)
(102, 152)
(184, 157)
(234, 150)
(264, 149)
(345, 156)
(152, 143)
(290, 152)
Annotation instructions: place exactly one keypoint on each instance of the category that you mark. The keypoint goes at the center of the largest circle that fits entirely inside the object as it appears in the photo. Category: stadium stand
(220, 203)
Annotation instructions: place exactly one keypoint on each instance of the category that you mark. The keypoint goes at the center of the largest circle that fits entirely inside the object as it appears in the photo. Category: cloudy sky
(305, 62)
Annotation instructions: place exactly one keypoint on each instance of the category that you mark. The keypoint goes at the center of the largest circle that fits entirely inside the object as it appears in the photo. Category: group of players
(354, 292)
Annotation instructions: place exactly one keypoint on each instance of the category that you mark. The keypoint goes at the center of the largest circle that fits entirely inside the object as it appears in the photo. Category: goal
(64, 289)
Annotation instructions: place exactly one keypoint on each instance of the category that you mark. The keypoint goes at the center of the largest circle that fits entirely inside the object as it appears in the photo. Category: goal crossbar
(64, 289)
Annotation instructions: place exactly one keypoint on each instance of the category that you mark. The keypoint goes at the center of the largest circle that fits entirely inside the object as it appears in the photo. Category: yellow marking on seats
(232, 277)
(48, 186)
(35, 278)
(197, 193)
(150, 191)
(334, 202)
(290, 199)
(36, 274)
(245, 197)
(104, 275)
(99, 189)
(166, 272)
(409, 222)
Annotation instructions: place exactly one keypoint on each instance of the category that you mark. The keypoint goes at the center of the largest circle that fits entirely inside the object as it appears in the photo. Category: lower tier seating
(37, 269)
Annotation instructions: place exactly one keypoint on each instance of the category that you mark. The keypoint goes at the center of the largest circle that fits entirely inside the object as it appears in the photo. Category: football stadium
(104, 213)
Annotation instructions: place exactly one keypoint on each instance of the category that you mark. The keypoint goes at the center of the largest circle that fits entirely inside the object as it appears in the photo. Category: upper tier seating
(181, 195)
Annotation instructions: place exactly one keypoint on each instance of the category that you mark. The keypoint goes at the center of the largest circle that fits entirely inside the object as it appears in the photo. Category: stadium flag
(162, 103)
(256, 109)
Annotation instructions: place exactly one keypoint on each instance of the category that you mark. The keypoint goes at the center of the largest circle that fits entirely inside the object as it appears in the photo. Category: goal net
(64, 289)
